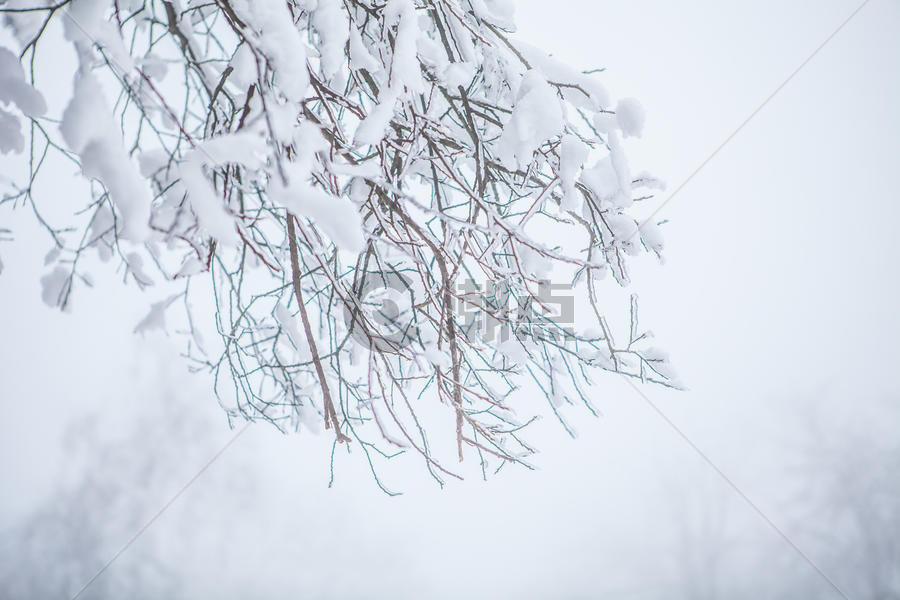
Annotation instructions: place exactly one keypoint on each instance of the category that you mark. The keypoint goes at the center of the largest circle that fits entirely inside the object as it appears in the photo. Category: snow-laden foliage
(377, 191)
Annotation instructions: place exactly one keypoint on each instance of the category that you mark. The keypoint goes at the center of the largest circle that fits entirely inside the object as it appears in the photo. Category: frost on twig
(438, 172)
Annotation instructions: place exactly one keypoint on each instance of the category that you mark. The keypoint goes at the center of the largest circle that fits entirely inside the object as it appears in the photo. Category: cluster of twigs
(466, 231)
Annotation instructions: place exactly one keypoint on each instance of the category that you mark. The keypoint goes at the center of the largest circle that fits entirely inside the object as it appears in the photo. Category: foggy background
(776, 303)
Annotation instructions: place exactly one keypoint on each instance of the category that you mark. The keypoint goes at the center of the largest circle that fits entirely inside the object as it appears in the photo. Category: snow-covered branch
(399, 179)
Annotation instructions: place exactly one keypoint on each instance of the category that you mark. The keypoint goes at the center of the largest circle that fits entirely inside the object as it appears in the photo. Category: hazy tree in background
(848, 498)
(373, 194)
(104, 491)
(834, 493)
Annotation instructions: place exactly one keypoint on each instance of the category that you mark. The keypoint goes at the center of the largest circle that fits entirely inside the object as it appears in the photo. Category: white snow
(623, 171)
(281, 41)
(513, 350)
(289, 324)
(336, 216)
(458, 74)
(11, 139)
(624, 230)
(90, 134)
(246, 148)
(244, 70)
(135, 264)
(372, 129)
(605, 122)
(191, 266)
(329, 19)
(156, 318)
(360, 57)
(652, 237)
(107, 161)
(436, 357)
(211, 212)
(86, 25)
(579, 89)
(631, 116)
(497, 12)
(405, 69)
(572, 154)
(16, 91)
(536, 118)
(54, 286)
(646, 180)
(602, 180)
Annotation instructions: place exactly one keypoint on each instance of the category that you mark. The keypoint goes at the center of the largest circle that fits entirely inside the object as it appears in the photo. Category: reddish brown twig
(330, 414)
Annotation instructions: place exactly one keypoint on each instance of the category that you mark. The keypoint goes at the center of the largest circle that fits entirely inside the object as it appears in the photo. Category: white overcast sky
(777, 303)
